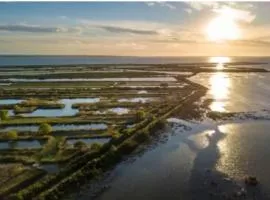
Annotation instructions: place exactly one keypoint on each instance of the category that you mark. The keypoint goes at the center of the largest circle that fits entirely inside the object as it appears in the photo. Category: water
(186, 157)
(20, 144)
(64, 127)
(10, 101)
(66, 111)
(52, 112)
(61, 60)
(149, 79)
(236, 92)
(136, 100)
(118, 111)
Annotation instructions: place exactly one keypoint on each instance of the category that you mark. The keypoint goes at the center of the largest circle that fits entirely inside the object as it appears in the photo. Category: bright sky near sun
(136, 28)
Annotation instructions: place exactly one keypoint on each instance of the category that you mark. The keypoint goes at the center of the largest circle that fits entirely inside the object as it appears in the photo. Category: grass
(63, 120)
(27, 177)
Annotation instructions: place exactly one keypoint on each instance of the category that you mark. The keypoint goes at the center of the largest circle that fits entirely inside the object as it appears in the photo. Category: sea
(16, 60)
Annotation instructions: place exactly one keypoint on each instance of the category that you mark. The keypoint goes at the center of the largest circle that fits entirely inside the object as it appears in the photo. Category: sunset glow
(223, 27)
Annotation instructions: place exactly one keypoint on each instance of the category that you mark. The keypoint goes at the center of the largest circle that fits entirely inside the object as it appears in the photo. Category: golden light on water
(218, 106)
(219, 89)
(220, 61)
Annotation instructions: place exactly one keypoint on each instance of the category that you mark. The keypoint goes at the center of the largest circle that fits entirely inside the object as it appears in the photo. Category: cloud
(162, 4)
(117, 29)
(188, 10)
(238, 14)
(251, 42)
(243, 11)
(196, 5)
(35, 29)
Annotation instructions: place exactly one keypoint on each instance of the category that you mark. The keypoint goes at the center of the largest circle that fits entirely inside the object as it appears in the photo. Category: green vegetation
(20, 109)
(24, 179)
(12, 134)
(45, 129)
(140, 115)
(84, 162)
(80, 145)
(3, 115)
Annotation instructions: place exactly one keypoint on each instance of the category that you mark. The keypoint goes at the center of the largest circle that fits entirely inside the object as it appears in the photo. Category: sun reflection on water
(219, 89)
(220, 61)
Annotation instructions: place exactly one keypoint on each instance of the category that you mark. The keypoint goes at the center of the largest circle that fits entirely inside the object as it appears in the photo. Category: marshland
(65, 126)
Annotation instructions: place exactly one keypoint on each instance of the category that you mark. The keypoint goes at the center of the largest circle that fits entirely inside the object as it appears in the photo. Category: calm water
(236, 92)
(59, 60)
(182, 163)
(20, 144)
(34, 128)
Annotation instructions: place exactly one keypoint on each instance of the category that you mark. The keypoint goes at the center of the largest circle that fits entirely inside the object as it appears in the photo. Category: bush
(79, 144)
(12, 134)
(140, 115)
(45, 129)
(95, 146)
(3, 114)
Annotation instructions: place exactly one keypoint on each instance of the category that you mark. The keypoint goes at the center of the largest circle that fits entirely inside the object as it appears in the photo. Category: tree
(4, 114)
(140, 115)
(79, 144)
(45, 129)
(95, 146)
(12, 134)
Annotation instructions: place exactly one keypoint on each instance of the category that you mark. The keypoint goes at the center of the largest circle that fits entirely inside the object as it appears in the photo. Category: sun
(223, 27)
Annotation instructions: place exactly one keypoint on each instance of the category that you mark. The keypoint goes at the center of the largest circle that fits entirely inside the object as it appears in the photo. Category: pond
(20, 144)
(66, 111)
(10, 101)
(62, 127)
(118, 111)
(136, 100)
(148, 79)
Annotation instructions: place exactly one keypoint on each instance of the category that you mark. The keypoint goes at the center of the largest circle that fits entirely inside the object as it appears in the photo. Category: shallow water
(34, 128)
(118, 111)
(66, 111)
(175, 168)
(136, 100)
(236, 92)
(149, 79)
(10, 101)
(20, 144)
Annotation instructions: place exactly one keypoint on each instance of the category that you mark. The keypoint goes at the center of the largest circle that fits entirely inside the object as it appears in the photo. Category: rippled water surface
(236, 92)
(183, 162)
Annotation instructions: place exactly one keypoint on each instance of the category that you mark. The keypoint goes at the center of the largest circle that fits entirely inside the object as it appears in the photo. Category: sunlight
(219, 89)
(220, 60)
(223, 27)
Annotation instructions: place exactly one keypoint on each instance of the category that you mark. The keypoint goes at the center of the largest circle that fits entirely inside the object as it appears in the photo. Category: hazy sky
(139, 28)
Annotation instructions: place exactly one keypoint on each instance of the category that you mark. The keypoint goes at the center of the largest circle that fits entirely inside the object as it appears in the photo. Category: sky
(135, 28)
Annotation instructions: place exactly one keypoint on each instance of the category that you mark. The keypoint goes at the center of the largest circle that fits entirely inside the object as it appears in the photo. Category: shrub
(12, 134)
(95, 146)
(140, 115)
(79, 144)
(4, 114)
(45, 129)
